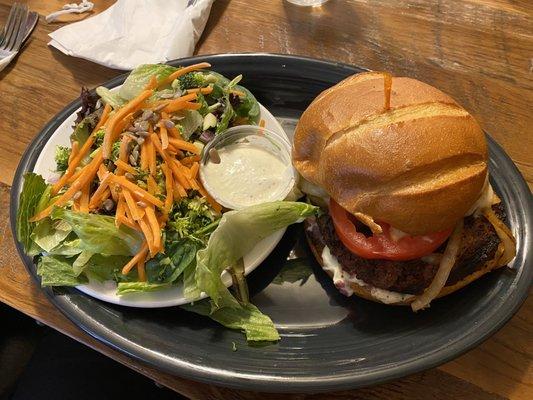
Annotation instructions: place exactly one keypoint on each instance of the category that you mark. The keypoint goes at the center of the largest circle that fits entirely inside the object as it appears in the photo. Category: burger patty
(479, 245)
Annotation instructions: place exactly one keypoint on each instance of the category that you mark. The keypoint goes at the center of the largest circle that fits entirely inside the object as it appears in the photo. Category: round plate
(329, 342)
(106, 291)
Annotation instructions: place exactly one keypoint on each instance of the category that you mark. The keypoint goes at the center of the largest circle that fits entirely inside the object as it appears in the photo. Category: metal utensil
(15, 32)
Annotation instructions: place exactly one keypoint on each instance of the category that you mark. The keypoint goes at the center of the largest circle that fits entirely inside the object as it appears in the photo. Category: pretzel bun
(419, 166)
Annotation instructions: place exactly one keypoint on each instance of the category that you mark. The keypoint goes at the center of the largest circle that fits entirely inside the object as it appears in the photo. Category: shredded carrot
(191, 106)
(124, 220)
(178, 190)
(84, 199)
(88, 174)
(112, 132)
(152, 185)
(175, 104)
(122, 166)
(121, 125)
(152, 84)
(189, 160)
(183, 71)
(144, 156)
(180, 177)
(137, 191)
(194, 170)
(140, 270)
(136, 212)
(169, 199)
(171, 131)
(183, 145)
(204, 90)
(81, 153)
(174, 132)
(152, 158)
(147, 232)
(135, 259)
(98, 194)
(120, 210)
(75, 176)
(154, 226)
(164, 135)
(73, 151)
(123, 150)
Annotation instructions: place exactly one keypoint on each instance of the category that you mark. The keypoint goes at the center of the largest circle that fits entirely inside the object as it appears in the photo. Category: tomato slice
(382, 246)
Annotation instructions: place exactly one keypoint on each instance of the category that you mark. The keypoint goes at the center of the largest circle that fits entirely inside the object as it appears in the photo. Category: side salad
(126, 203)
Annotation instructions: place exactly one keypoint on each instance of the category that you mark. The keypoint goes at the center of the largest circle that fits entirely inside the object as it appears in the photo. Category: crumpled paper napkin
(133, 32)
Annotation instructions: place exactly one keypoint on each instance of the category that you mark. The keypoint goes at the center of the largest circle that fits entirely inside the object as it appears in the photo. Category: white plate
(45, 166)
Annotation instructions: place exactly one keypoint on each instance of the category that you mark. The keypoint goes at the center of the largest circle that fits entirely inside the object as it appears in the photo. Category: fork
(13, 33)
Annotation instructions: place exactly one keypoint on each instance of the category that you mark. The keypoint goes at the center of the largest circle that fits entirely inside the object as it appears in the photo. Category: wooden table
(479, 51)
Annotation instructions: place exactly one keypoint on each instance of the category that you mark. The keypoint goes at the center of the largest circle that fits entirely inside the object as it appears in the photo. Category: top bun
(419, 166)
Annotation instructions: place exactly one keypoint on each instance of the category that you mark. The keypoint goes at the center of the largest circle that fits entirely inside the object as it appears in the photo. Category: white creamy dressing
(246, 175)
(342, 281)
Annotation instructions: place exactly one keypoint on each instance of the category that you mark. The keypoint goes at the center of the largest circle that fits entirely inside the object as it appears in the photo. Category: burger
(401, 171)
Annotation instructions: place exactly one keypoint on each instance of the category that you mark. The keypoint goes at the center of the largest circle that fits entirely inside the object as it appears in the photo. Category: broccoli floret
(99, 137)
(61, 158)
(192, 80)
(115, 151)
(189, 216)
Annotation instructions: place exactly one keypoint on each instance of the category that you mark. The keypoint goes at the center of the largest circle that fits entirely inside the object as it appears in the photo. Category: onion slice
(446, 264)
(505, 235)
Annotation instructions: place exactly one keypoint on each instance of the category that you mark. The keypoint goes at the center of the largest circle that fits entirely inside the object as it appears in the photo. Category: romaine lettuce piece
(256, 325)
(236, 235)
(140, 76)
(110, 97)
(132, 287)
(33, 189)
(58, 271)
(98, 233)
(49, 234)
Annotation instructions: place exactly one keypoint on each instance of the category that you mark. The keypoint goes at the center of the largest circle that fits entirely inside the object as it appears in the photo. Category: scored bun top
(419, 166)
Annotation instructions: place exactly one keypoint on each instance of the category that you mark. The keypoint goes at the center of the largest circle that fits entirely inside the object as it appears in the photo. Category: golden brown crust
(418, 166)
(364, 291)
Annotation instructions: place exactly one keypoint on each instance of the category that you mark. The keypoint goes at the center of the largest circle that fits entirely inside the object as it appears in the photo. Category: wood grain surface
(478, 51)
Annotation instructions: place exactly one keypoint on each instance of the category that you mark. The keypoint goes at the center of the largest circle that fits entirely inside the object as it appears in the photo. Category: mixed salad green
(127, 206)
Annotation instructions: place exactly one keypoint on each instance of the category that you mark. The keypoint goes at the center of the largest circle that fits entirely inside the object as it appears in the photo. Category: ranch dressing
(247, 174)
(342, 280)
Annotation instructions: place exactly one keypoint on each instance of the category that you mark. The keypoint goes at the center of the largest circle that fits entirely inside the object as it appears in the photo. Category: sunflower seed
(109, 204)
(141, 126)
(214, 157)
(142, 134)
(168, 124)
(146, 115)
(160, 107)
(166, 95)
(133, 161)
(129, 176)
(140, 140)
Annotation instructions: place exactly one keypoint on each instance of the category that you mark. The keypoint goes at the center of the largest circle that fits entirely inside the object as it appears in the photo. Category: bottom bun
(365, 291)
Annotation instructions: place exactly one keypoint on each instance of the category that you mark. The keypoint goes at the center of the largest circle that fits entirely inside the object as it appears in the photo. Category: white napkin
(133, 32)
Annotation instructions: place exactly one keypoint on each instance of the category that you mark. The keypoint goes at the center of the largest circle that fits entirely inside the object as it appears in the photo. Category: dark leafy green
(167, 267)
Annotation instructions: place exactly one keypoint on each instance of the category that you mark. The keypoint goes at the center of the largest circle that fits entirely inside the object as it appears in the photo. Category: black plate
(329, 342)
